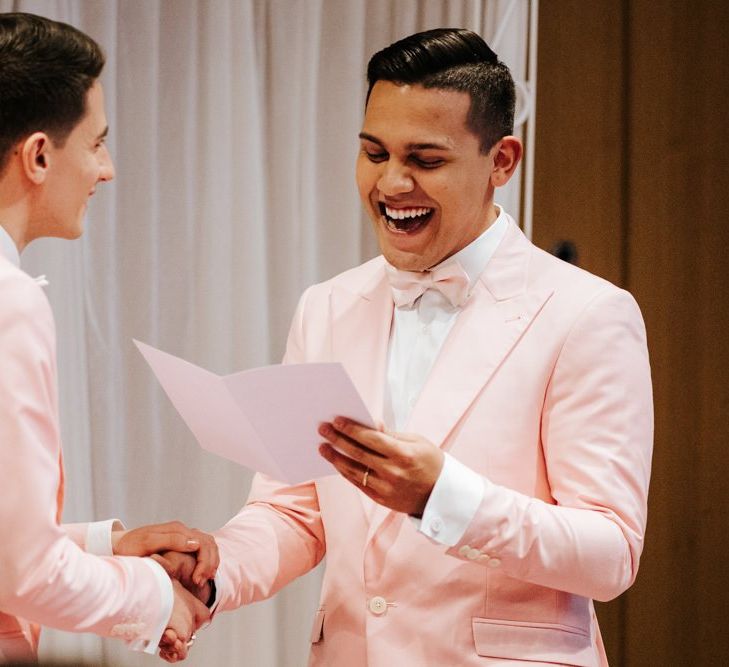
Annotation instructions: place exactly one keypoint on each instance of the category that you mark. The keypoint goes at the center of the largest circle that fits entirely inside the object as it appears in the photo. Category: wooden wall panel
(578, 187)
(678, 272)
(579, 124)
(632, 163)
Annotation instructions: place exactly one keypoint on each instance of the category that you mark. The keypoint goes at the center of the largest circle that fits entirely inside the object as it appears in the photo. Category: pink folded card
(265, 419)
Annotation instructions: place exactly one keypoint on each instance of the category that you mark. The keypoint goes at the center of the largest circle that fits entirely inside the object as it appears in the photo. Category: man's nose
(395, 179)
(106, 172)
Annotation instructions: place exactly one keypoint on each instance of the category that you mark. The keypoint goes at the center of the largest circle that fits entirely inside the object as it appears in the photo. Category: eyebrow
(411, 147)
(103, 134)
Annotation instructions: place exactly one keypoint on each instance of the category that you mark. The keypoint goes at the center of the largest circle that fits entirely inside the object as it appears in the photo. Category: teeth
(403, 213)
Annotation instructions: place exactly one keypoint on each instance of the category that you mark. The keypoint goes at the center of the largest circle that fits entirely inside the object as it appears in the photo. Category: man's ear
(507, 153)
(35, 157)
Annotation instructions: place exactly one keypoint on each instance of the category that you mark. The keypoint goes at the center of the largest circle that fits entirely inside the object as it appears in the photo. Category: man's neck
(14, 212)
(8, 246)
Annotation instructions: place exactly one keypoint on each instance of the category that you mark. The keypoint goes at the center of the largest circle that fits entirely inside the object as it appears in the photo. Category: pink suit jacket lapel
(493, 321)
(497, 315)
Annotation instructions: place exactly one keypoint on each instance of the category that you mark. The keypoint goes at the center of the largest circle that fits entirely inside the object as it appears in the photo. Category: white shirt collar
(8, 247)
(476, 255)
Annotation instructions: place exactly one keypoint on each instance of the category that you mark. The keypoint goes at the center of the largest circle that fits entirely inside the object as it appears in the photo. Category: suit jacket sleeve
(278, 535)
(597, 438)
(46, 578)
(76, 532)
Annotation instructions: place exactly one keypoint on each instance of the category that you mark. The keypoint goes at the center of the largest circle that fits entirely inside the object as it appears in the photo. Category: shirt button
(473, 554)
(436, 525)
(378, 605)
(494, 562)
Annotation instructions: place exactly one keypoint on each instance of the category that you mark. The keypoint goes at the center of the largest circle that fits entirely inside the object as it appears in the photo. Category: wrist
(116, 536)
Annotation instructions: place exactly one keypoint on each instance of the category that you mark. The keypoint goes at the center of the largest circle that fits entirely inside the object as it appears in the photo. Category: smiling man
(507, 487)
(52, 157)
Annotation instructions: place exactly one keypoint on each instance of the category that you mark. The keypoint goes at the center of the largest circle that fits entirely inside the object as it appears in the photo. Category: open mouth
(406, 220)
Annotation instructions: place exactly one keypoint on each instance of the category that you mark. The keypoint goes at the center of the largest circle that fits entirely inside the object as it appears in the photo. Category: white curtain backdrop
(234, 133)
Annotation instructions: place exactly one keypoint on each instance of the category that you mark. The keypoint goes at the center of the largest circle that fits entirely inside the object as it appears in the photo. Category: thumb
(166, 564)
(201, 613)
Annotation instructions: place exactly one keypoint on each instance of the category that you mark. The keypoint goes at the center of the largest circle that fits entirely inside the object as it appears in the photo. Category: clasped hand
(189, 611)
(397, 470)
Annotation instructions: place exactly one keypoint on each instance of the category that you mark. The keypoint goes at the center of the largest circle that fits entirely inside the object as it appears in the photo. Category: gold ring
(365, 477)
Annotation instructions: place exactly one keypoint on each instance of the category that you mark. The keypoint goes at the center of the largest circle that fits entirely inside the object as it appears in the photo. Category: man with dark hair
(507, 486)
(52, 156)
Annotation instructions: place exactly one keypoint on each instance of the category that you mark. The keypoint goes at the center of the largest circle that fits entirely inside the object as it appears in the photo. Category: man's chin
(405, 261)
(73, 232)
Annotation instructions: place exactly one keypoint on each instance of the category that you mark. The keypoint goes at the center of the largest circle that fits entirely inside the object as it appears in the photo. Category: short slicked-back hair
(46, 69)
(453, 59)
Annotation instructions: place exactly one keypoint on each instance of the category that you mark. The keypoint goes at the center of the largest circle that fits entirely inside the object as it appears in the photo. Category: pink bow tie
(450, 280)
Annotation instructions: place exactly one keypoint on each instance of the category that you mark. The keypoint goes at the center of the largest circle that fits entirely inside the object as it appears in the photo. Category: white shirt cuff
(168, 599)
(98, 536)
(453, 503)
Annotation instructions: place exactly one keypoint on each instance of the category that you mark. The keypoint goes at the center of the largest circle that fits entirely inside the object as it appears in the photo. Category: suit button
(473, 554)
(463, 551)
(378, 605)
(494, 562)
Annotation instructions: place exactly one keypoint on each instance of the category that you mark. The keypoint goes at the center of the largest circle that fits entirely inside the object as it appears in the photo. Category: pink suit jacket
(543, 387)
(45, 576)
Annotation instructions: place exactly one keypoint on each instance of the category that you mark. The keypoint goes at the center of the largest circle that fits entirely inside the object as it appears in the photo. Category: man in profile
(52, 157)
(507, 488)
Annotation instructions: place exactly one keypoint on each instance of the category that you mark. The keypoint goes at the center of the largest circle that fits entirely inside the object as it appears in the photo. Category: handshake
(190, 558)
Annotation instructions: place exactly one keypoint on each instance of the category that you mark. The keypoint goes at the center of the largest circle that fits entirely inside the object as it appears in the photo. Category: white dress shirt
(416, 338)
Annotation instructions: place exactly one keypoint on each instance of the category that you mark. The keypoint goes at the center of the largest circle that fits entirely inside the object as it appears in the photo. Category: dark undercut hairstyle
(453, 59)
(46, 69)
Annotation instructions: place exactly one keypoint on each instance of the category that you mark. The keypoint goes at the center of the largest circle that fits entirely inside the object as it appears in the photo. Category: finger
(354, 450)
(354, 474)
(169, 656)
(202, 614)
(174, 652)
(348, 468)
(147, 540)
(375, 440)
(183, 542)
(166, 653)
(173, 646)
(169, 637)
(208, 559)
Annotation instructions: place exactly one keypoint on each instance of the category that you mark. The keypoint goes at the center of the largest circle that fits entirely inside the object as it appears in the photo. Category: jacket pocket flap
(540, 642)
(317, 629)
